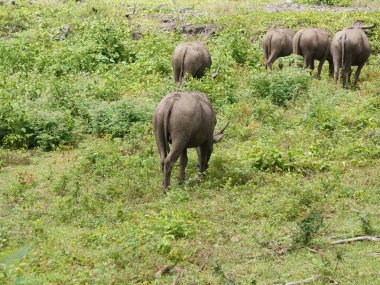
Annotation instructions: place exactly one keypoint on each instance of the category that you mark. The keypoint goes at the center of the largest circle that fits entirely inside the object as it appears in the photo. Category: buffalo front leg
(183, 162)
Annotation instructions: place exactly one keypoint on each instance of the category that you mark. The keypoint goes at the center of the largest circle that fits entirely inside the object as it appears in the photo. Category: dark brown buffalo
(192, 58)
(350, 47)
(186, 120)
(313, 44)
(277, 43)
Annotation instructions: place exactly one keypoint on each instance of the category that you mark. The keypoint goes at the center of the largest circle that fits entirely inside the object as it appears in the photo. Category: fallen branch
(362, 238)
(307, 280)
(180, 275)
(166, 269)
(163, 270)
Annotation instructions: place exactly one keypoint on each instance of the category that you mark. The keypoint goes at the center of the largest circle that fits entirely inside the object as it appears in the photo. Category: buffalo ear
(217, 137)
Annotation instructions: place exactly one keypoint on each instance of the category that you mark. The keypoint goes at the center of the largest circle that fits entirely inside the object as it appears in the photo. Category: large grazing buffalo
(313, 44)
(277, 43)
(350, 47)
(192, 58)
(186, 120)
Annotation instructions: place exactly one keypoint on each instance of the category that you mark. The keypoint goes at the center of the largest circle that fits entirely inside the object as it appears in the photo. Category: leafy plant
(308, 228)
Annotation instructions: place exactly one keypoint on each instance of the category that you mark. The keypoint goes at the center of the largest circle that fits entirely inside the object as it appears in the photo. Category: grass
(80, 185)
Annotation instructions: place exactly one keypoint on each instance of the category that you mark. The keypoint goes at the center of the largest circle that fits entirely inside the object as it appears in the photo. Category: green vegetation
(80, 183)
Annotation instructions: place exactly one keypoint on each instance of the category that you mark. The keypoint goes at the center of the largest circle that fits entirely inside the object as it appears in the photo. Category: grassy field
(80, 184)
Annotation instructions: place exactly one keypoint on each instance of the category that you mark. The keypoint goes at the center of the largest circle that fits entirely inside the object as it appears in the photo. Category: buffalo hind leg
(183, 163)
(320, 65)
(349, 72)
(336, 74)
(357, 73)
(162, 151)
(345, 73)
(170, 159)
(271, 59)
(308, 62)
(336, 62)
(202, 158)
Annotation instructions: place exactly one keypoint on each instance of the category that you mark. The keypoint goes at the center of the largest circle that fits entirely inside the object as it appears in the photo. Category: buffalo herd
(349, 47)
(187, 119)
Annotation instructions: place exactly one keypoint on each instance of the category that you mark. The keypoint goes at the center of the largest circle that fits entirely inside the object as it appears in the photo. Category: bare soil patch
(292, 7)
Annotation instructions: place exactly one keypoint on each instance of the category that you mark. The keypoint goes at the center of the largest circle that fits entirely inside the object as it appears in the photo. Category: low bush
(116, 118)
(25, 125)
(281, 86)
(101, 162)
(267, 157)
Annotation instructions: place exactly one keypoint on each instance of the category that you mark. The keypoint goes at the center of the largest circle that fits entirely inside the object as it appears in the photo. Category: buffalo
(192, 58)
(186, 120)
(350, 47)
(277, 43)
(313, 44)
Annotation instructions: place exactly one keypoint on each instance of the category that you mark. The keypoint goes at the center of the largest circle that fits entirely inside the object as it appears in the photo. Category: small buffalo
(186, 120)
(192, 58)
(277, 43)
(350, 47)
(313, 44)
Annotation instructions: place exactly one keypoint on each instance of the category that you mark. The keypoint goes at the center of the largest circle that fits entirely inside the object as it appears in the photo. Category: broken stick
(307, 280)
(361, 238)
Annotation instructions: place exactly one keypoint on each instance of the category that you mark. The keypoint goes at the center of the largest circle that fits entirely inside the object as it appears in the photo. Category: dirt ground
(288, 5)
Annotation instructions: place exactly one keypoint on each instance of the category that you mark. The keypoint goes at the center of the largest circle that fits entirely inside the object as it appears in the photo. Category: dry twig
(361, 238)
(180, 275)
(307, 280)
(166, 269)
(163, 270)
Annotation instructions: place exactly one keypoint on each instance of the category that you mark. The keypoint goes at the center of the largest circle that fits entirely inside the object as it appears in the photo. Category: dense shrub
(281, 86)
(267, 157)
(239, 48)
(23, 125)
(116, 118)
